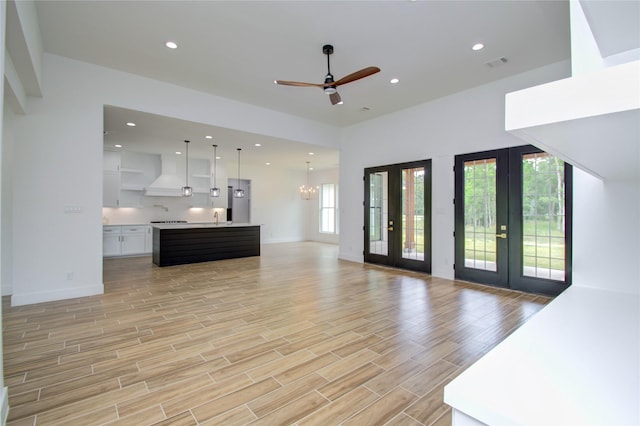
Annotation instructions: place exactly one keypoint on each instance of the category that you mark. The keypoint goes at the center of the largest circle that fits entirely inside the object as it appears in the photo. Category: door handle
(503, 235)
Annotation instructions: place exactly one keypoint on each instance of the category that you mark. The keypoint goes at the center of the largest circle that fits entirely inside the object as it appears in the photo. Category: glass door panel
(540, 205)
(543, 216)
(413, 213)
(480, 214)
(378, 213)
(481, 187)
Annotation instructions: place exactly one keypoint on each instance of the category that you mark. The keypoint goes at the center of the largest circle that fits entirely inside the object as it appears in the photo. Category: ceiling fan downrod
(327, 49)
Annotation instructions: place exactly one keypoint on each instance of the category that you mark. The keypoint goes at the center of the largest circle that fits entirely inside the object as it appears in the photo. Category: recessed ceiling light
(257, 144)
(131, 124)
(118, 146)
(217, 158)
(171, 44)
(310, 168)
(208, 137)
(178, 152)
(477, 46)
(267, 164)
(394, 81)
(311, 153)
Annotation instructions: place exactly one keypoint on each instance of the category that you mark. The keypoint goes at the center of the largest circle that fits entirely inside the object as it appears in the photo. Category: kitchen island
(181, 243)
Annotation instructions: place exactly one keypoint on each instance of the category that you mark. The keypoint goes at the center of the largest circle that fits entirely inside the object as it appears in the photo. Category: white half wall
(57, 159)
(465, 122)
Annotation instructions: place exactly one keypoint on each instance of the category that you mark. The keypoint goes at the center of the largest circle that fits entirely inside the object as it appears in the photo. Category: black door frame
(394, 257)
(517, 280)
(500, 278)
(509, 212)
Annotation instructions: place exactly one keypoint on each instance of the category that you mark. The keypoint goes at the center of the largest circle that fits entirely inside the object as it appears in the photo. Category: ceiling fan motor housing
(329, 89)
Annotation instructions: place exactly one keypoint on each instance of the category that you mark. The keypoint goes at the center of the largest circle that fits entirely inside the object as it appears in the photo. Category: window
(328, 208)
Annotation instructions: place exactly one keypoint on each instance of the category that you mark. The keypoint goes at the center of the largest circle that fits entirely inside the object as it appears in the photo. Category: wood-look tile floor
(294, 336)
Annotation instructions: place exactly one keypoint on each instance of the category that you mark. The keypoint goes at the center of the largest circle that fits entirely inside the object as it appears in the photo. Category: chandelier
(308, 192)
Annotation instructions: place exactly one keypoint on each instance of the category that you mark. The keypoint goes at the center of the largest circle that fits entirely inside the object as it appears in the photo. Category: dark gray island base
(186, 243)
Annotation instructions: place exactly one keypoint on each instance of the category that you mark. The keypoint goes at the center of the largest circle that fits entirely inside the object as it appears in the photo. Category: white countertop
(576, 362)
(200, 225)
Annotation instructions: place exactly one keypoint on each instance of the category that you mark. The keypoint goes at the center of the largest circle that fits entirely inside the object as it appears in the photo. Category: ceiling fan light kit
(330, 86)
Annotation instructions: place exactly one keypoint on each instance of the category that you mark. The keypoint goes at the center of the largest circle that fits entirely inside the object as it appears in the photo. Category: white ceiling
(163, 135)
(236, 49)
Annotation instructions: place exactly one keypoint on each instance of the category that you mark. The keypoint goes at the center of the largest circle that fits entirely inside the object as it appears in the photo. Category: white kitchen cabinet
(111, 179)
(110, 188)
(125, 240)
(133, 240)
(111, 160)
(126, 175)
(111, 241)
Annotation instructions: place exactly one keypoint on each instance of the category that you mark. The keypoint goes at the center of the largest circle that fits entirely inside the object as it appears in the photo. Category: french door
(513, 219)
(398, 215)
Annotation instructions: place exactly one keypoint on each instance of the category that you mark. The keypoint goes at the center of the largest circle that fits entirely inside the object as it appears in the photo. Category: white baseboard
(357, 259)
(18, 299)
(4, 408)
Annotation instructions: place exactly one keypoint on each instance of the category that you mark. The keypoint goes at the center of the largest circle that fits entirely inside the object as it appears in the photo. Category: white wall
(4, 394)
(606, 234)
(57, 157)
(465, 122)
(6, 211)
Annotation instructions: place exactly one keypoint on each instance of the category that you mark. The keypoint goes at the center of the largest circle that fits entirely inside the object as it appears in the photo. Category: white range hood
(168, 184)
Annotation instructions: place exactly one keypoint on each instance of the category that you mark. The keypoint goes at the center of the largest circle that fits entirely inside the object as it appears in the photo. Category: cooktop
(168, 221)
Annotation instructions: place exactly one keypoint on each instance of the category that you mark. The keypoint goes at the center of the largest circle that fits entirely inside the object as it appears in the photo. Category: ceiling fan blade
(365, 72)
(335, 98)
(297, 83)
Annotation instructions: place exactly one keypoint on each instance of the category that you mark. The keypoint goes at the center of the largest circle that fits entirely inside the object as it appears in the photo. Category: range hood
(168, 184)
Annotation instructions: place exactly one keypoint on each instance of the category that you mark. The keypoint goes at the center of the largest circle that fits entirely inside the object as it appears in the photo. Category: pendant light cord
(239, 149)
(187, 164)
(215, 147)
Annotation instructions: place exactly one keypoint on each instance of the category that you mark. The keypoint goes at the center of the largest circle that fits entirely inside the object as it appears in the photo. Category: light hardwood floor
(294, 336)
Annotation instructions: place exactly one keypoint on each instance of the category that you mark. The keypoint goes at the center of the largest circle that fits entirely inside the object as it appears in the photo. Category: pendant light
(214, 191)
(238, 193)
(307, 192)
(187, 191)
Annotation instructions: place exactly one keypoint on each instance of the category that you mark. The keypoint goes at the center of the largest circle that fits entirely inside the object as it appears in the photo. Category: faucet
(215, 217)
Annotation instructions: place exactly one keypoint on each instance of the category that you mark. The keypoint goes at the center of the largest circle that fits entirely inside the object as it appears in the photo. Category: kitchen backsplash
(161, 208)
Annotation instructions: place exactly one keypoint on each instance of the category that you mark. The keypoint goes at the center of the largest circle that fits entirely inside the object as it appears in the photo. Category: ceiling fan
(330, 85)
